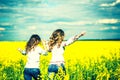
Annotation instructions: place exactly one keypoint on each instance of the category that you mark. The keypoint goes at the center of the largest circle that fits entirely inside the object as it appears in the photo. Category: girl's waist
(57, 62)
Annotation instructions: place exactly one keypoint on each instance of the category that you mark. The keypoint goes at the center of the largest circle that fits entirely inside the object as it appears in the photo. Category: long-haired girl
(56, 47)
(33, 52)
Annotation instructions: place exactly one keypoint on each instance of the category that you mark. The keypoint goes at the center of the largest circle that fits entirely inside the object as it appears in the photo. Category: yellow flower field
(85, 60)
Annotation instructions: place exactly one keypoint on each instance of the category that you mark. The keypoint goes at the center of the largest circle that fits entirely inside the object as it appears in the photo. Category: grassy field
(85, 60)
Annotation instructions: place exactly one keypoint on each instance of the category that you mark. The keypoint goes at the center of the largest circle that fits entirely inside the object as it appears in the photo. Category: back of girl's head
(33, 41)
(35, 37)
(57, 34)
(56, 38)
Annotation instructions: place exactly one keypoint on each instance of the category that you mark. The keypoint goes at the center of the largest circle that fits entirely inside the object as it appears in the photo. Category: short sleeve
(41, 51)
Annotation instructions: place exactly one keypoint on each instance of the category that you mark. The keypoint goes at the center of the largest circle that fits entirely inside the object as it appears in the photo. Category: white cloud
(111, 4)
(114, 27)
(32, 27)
(2, 29)
(109, 28)
(75, 23)
(23, 19)
(48, 11)
(101, 21)
(108, 21)
(51, 10)
(80, 1)
(118, 1)
(104, 28)
(5, 23)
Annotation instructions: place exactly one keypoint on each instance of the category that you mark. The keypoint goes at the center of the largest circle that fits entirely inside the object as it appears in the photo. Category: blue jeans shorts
(54, 68)
(31, 72)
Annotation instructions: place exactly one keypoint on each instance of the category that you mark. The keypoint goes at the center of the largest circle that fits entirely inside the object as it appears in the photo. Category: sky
(19, 19)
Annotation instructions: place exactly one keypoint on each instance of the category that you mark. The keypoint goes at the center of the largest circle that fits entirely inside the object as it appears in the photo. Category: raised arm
(74, 38)
(79, 35)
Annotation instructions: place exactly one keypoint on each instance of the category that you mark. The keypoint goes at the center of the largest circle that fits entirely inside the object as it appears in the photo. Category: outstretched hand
(21, 51)
(79, 35)
(82, 33)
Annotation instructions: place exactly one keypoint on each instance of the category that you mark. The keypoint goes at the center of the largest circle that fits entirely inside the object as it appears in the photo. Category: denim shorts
(54, 68)
(31, 72)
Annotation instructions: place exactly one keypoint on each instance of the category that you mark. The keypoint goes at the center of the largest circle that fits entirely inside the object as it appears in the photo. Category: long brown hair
(33, 41)
(56, 38)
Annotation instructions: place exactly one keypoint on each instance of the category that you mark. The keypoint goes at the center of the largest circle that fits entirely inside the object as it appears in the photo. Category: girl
(33, 52)
(56, 46)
